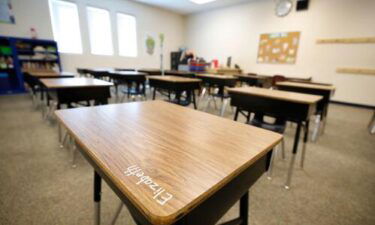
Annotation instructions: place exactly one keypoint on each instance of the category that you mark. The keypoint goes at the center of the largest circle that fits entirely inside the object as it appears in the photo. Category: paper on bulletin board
(6, 14)
(278, 48)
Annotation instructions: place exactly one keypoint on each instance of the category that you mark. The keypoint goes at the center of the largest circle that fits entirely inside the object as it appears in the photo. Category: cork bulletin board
(278, 48)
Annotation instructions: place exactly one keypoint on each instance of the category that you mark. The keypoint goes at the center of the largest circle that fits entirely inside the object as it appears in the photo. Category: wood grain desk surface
(227, 77)
(41, 74)
(306, 85)
(276, 94)
(174, 79)
(74, 83)
(190, 154)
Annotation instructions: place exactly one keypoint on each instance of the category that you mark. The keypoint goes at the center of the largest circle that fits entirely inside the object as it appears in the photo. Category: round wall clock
(283, 7)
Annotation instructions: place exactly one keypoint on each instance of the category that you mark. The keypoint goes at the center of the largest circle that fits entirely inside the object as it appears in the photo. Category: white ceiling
(187, 7)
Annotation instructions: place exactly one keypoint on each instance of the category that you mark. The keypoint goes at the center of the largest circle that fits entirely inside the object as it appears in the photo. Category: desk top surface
(41, 74)
(74, 83)
(166, 159)
(306, 85)
(174, 79)
(223, 77)
(276, 94)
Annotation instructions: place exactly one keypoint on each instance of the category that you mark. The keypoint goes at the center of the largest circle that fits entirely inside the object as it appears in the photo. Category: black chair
(133, 88)
(278, 126)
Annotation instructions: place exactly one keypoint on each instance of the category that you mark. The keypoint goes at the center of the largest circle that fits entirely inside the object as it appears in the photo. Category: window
(100, 31)
(65, 26)
(127, 35)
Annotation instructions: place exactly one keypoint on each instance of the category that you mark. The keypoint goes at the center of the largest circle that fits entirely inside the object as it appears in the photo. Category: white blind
(127, 35)
(65, 25)
(100, 31)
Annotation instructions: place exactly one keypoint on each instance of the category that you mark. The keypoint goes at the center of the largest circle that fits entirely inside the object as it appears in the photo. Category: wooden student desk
(326, 91)
(254, 80)
(294, 107)
(180, 73)
(151, 72)
(68, 90)
(170, 164)
(32, 78)
(176, 85)
(99, 73)
(128, 77)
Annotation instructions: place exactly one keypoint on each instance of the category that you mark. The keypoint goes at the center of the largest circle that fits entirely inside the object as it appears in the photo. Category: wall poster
(278, 48)
(6, 14)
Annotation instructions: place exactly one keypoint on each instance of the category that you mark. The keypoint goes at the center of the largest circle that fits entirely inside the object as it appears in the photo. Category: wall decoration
(278, 48)
(6, 14)
(364, 40)
(356, 71)
(161, 39)
(150, 44)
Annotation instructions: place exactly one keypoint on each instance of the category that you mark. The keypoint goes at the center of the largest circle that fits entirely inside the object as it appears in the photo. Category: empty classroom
(187, 112)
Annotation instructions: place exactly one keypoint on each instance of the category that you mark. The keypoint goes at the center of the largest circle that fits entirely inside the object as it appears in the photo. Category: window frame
(118, 34)
(54, 31)
(111, 30)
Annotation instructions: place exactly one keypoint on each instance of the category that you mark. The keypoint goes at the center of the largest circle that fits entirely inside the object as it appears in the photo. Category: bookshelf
(18, 55)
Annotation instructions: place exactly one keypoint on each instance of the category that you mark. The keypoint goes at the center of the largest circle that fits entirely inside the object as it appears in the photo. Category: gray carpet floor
(39, 186)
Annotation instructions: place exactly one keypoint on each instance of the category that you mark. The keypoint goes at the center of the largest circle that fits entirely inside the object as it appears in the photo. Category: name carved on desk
(160, 194)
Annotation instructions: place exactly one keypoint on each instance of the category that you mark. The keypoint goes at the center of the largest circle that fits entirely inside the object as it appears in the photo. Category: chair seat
(278, 128)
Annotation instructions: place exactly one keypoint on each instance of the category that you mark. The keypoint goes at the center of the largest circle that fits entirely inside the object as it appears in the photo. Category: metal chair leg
(65, 139)
(117, 213)
(303, 155)
(208, 104)
(201, 96)
(223, 107)
(290, 172)
(371, 125)
(74, 153)
(316, 129)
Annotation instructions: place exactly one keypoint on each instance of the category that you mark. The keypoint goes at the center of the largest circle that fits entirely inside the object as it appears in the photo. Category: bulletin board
(278, 48)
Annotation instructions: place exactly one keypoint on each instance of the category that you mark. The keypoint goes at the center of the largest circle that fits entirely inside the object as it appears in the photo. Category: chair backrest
(277, 78)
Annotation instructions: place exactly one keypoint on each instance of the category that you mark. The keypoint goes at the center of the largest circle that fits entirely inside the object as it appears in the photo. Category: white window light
(127, 35)
(200, 2)
(100, 32)
(65, 26)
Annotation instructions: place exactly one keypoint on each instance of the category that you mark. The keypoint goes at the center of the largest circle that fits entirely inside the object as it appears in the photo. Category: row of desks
(174, 165)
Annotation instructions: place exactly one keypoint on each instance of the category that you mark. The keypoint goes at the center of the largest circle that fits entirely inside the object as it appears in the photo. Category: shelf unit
(20, 54)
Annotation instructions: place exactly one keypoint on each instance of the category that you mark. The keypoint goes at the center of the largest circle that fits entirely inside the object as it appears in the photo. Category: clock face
(283, 7)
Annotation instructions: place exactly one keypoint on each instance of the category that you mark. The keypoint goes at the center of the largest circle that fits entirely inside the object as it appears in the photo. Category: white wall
(234, 31)
(35, 13)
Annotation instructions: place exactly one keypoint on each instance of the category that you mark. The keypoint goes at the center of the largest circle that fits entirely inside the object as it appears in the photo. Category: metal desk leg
(305, 139)
(295, 148)
(97, 197)
(270, 168)
(154, 94)
(194, 101)
(236, 113)
(244, 209)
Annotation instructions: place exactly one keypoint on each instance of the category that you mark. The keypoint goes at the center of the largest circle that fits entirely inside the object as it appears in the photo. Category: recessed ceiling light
(200, 2)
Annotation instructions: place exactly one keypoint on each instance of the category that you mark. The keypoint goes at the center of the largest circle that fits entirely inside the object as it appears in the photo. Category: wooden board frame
(278, 48)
